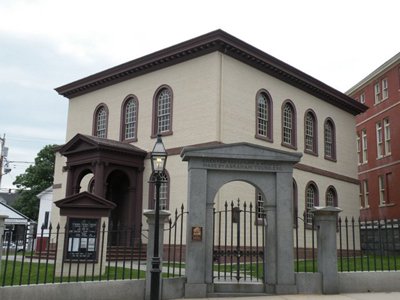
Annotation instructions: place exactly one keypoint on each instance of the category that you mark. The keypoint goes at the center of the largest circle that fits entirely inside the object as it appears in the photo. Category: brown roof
(99, 143)
(217, 40)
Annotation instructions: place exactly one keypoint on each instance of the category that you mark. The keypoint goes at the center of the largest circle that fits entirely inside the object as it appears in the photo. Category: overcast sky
(48, 43)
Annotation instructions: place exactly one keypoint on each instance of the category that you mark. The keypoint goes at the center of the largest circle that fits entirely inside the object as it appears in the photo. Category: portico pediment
(86, 204)
(85, 200)
(81, 143)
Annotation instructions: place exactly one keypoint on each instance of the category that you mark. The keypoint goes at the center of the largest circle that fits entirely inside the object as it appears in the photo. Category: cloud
(30, 133)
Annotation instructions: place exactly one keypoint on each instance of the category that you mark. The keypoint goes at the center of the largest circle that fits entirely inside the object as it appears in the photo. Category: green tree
(36, 179)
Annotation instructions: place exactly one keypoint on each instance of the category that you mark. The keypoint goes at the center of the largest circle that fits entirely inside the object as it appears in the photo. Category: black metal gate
(238, 243)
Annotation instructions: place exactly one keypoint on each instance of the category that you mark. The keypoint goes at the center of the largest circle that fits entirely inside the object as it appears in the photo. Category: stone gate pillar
(198, 254)
(326, 221)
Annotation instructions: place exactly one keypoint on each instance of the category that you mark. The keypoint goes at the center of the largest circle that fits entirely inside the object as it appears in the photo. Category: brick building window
(364, 145)
(366, 193)
(359, 156)
(385, 91)
(386, 125)
(362, 98)
(379, 140)
(381, 184)
(377, 92)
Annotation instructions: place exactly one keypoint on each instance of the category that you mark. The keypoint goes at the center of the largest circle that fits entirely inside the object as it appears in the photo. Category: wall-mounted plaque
(197, 233)
(82, 238)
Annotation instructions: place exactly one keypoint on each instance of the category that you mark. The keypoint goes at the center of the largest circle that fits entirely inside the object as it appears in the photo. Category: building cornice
(383, 68)
(214, 41)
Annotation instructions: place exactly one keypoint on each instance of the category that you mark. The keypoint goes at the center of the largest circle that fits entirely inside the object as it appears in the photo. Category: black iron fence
(74, 253)
(174, 250)
(238, 243)
(85, 250)
(362, 245)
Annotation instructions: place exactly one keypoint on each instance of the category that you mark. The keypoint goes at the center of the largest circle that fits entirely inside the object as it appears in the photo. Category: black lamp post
(158, 160)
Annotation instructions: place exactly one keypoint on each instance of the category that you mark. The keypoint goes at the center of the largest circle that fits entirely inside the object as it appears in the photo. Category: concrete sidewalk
(361, 296)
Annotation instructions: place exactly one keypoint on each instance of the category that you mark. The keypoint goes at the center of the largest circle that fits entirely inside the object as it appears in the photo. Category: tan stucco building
(213, 89)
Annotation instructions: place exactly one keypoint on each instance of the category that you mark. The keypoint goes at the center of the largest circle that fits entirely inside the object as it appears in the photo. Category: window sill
(311, 152)
(364, 208)
(386, 205)
(128, 141)
(153, 136)
(264, 138)
(330, 158)
(289, 146)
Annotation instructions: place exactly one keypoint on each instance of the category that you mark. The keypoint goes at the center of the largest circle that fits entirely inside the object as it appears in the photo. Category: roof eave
(214, 41)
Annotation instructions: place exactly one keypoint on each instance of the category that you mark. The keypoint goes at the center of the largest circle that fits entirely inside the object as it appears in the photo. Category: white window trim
(362, 98)
(381, 184)
(385, 90)
(379, 140)
(386, 131)
(377, 93)
(366, 193)
(364, 146)
(359, 157)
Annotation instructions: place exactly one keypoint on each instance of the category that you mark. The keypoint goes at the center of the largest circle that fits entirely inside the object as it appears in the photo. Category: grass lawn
(351, 264)
(355, 264)
(26, 273)
(22, 274)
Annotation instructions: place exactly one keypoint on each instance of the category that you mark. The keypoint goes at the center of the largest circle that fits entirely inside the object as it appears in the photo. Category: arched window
(289, 125)
(129, 119)
(100, 121)
(164, 192)
(330, 139)
(162, 111)
(331, 197)
(311, 201)
(259, 206)
(310, 133)
(263, 116)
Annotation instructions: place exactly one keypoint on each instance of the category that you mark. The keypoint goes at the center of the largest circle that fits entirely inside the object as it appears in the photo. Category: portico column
(99, 182)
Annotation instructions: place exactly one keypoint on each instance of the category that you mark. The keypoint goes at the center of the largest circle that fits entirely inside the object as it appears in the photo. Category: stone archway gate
(271, 171)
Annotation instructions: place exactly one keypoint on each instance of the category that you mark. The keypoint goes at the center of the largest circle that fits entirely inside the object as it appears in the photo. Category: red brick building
(378, 141)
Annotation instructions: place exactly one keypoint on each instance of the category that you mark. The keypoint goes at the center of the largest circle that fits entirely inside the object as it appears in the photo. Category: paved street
(361, 296)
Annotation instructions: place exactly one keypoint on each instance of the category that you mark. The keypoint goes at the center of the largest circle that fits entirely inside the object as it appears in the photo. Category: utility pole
(2, 155)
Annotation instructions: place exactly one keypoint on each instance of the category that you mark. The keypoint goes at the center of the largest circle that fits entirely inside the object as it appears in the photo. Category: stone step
(234, 295)
(243, 289)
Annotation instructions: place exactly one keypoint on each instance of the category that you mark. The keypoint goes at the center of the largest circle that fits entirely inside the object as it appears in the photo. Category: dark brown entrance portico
(117, 175)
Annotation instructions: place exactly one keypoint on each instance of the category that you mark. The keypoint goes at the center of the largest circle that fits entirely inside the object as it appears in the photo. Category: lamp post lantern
(158, 160)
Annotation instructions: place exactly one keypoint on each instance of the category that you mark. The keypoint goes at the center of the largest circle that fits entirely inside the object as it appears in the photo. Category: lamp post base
(155, 279)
